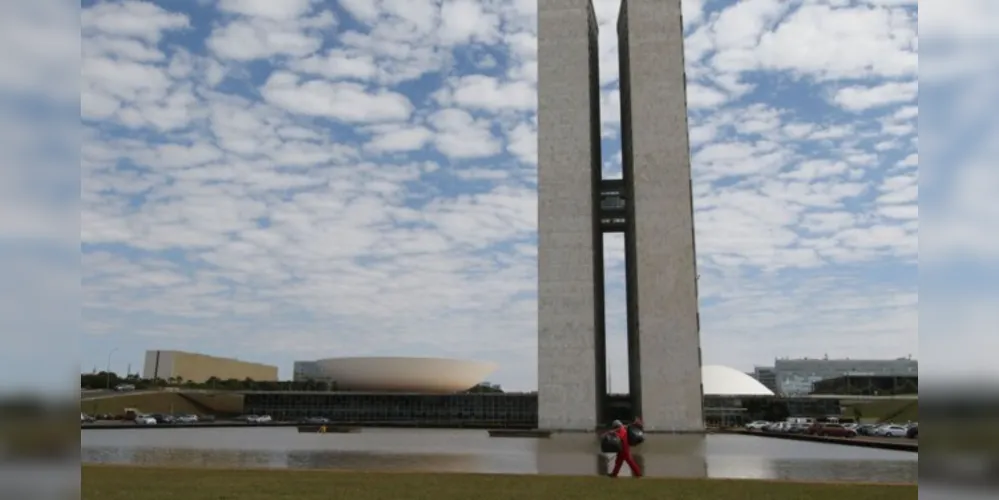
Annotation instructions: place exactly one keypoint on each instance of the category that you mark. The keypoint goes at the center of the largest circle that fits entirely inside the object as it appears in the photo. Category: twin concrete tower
(652, 205)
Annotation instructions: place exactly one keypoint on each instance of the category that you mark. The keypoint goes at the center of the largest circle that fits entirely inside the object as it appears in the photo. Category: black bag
(610, 443)
(636, 435)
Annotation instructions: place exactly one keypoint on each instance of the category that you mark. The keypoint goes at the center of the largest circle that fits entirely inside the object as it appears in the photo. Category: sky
(303, 179)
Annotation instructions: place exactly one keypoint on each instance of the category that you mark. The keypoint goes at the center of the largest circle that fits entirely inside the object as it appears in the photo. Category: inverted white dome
(724, 381)
(421, 375)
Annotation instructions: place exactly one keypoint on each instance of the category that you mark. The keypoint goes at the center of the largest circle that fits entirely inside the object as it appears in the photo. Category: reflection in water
(660, 456)
(814, 470)
(473, 451)
(180, 457)
(682, 455)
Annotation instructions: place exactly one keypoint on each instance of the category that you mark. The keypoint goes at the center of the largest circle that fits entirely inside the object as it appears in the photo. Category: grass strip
(103, 482)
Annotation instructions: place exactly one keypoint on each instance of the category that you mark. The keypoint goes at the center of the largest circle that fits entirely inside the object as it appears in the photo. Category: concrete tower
(571, 359)
(652, 206)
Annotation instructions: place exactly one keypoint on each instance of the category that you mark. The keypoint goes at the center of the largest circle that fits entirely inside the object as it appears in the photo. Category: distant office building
(201, 367)
(794, 377)
(767, 376)
(304, 371)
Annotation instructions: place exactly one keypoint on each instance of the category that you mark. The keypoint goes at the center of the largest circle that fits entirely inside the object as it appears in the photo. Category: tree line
(111, 380)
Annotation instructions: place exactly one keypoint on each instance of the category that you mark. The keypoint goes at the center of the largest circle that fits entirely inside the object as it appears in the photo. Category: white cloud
(858, 98)
(395, 139)
(488, 93)
(142, 20)
(338, 64)
(264, 37)
(832, 43)
(349, 102)
(279, 11)
(461, 136)
(464, 21)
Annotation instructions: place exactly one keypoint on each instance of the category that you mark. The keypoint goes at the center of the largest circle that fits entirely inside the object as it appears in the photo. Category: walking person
(624, 454)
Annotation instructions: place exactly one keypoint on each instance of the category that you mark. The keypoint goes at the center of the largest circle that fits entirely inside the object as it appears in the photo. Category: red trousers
(621, 459)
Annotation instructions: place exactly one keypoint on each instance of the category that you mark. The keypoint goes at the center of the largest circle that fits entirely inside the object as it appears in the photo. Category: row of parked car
(163, 419)
(146, 418)
(256, 419)
(834, 429)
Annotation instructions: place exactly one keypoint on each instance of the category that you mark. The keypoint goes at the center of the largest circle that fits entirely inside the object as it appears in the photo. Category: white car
(893, 431)
(145, 420)
(187, 419)
(757, 425)
(259, 419)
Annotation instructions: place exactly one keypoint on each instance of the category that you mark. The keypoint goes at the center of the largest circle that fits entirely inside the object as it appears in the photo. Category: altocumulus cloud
(298, 179)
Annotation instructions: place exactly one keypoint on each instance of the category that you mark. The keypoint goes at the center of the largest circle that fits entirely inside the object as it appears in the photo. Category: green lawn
(140, 483)
(899, 410)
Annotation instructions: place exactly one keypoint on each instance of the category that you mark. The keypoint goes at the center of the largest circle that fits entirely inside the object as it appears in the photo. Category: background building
(200, 367)
(304, 371)
(794, 377)
(869, 385)
(767, 376)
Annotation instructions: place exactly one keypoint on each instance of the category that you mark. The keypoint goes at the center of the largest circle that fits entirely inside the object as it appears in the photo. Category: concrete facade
(652, 206)
(570, 272)
(200, 367)
(659, 245)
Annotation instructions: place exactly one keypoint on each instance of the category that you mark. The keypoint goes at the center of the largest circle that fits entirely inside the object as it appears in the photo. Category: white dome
(422, 375)
(724, 381)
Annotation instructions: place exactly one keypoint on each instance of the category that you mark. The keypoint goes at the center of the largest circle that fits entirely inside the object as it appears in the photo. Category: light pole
(108, 370)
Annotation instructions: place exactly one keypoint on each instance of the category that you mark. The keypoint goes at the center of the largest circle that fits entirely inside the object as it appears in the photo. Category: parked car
(324, 420)
(145, 420)
(833, 430)
(866, 429)
(259, 419)
(124, 387)
(777, 427)
(799, 428)
(892, 431)
(186, 419)
(163, 419)
(85, 419)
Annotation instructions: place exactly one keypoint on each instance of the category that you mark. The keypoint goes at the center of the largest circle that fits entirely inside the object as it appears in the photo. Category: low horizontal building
(200, 368)
(371, 393)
